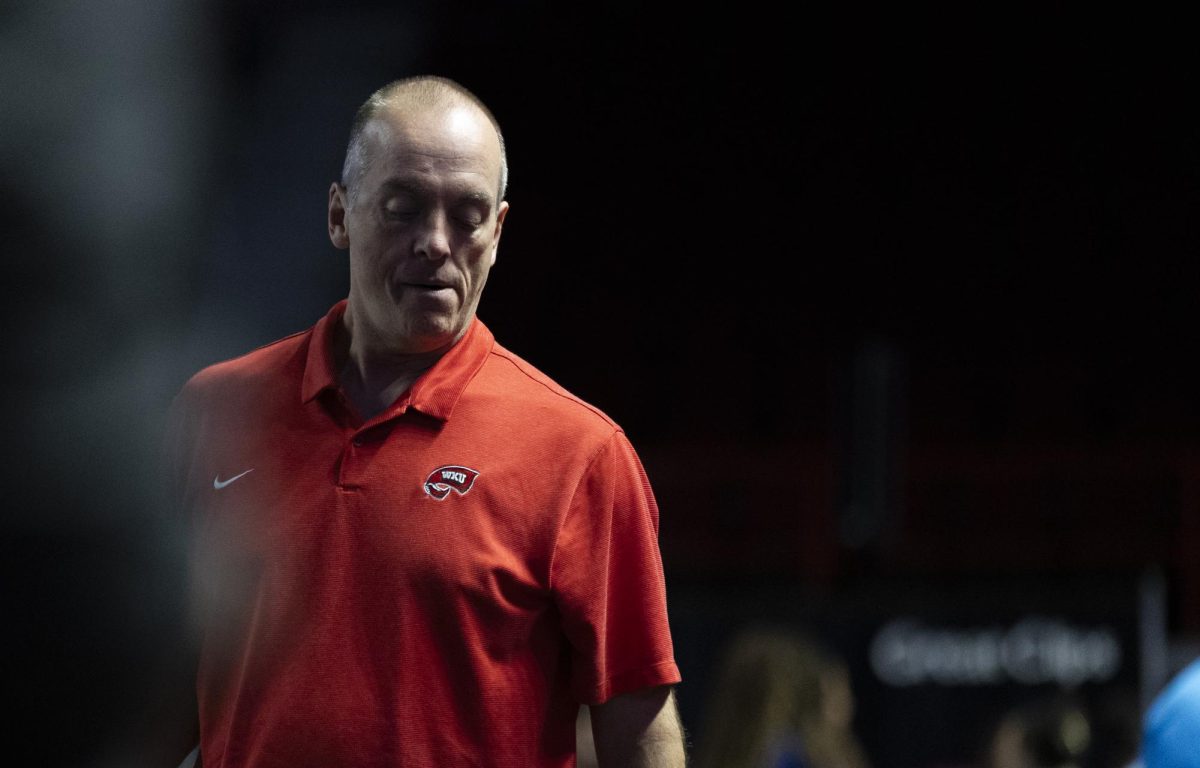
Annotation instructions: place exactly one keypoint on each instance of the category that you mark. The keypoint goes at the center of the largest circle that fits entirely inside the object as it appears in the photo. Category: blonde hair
(772, 688)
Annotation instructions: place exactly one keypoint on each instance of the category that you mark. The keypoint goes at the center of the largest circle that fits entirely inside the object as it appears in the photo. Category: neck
(371, 374)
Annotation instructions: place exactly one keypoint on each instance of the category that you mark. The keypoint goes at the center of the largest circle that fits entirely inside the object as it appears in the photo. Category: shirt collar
(434, 393)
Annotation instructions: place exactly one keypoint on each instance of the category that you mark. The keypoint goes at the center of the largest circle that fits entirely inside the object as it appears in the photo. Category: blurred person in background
(1171, 728)
(1052, 732)
(781, 700)
(409, 546)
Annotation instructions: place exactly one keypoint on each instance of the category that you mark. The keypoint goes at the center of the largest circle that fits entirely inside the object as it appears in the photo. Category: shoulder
(264, 366)
(521, 387)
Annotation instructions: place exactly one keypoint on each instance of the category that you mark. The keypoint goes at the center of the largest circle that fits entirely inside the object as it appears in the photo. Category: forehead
(433, 146)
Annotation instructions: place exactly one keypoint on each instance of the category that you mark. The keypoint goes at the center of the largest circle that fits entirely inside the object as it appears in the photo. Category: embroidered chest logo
(218, 483)
(450, 478)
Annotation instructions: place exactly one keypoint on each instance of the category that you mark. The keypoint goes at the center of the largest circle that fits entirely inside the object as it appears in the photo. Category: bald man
(410, 547)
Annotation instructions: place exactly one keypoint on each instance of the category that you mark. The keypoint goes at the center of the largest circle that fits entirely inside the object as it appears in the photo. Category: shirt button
(358, 441)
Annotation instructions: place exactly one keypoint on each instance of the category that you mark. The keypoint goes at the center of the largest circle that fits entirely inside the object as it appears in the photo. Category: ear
(339, 235)
(500, 214)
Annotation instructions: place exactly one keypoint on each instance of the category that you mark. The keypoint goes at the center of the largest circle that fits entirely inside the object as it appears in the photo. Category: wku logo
(450, 478)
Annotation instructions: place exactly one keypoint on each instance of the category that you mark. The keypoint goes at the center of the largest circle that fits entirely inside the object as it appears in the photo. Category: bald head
(422, 92)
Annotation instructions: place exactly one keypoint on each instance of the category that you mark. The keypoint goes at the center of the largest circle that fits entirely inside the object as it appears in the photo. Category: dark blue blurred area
(887, 297)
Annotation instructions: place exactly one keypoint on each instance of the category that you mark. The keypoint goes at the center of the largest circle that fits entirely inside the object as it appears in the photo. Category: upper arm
(639, 729)
(607, 580)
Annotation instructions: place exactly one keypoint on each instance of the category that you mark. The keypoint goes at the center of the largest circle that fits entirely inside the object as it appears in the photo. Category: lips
(424, 289)
(437, 285)
(424, 283)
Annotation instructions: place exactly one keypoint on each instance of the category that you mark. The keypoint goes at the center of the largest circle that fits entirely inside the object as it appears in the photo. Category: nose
(433, 240)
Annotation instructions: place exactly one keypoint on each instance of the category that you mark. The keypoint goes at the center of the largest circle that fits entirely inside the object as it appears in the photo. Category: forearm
(648, 753)
(639, 730)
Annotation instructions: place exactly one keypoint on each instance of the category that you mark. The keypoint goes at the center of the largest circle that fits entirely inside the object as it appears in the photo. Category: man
(412, 548)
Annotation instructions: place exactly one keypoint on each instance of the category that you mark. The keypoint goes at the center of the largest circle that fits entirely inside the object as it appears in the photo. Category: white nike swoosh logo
(218, 483)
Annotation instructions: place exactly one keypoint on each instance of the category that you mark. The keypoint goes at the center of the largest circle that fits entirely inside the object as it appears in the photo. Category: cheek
(477, 261)
(483, 264)
(377, 251)
(476, 277)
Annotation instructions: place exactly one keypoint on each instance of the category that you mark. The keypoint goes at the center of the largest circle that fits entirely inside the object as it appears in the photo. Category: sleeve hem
(662, 673)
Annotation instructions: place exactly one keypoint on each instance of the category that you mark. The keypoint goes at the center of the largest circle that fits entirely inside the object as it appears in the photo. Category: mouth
(439, 291)
(426, 285)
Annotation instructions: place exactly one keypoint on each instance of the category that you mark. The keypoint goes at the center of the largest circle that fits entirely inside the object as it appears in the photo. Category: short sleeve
(607, 580)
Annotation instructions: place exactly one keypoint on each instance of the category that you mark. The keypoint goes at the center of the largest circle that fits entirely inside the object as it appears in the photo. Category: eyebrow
(416, 188)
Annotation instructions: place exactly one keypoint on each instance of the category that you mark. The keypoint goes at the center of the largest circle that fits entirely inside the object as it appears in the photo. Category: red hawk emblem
(450, 478)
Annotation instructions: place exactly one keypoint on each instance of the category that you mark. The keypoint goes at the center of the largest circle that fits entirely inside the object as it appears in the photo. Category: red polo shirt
(441, 585)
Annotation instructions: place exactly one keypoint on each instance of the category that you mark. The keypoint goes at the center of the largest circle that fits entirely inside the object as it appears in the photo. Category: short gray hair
(426, 90)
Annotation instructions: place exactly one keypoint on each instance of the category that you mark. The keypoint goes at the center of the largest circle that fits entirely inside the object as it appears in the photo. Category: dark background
(882, 296)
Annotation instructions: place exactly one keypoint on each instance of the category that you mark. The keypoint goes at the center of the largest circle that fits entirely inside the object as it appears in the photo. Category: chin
(429, 333)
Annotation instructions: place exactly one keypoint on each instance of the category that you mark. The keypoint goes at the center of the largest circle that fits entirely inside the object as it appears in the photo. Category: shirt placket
(361, 442)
